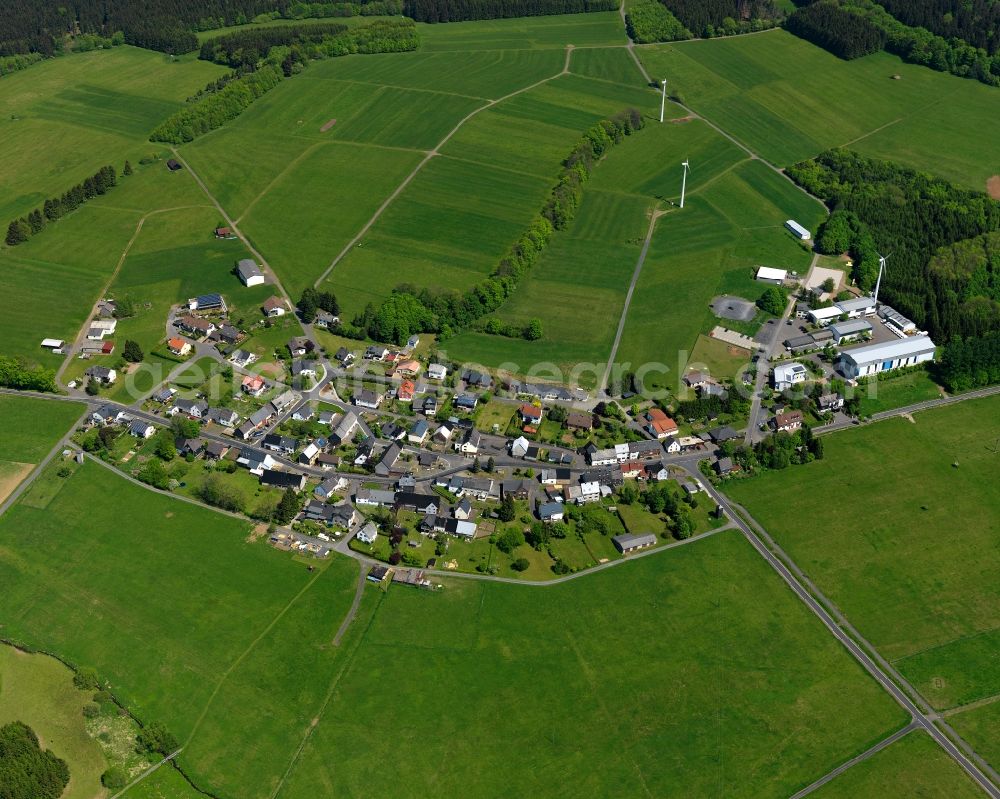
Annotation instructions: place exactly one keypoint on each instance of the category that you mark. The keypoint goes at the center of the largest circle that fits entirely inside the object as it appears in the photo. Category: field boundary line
(432, 154)
(253, 645)
(653, 217)
(974, 705)
(353, 610)
(356, 82)
(931, 648)
(107, 285)
(348, 660)
(288, 168)
(874, 750)
(146, 773)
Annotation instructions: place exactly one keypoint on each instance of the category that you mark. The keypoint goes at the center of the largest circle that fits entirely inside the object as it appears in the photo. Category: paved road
(818, 604)
(885, 742)
(628, 298)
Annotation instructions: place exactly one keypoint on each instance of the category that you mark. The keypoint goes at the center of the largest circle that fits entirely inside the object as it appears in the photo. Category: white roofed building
(769, 274)
(875, 358)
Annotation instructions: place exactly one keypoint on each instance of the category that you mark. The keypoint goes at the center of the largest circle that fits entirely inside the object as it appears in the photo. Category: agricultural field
(789, 100)
(897, 391)
(512, 165)
(529, 33)
(912, 766)
(24, 444)
(918, 576)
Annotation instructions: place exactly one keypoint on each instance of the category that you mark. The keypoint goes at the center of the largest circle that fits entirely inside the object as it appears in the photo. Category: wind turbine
(663, 99)
(687, 166)
(881, 268)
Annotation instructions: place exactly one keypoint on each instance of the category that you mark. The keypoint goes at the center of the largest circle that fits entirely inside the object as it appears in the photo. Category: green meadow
(912, 766)
(32, 426)
(723, 683)
(789, 100)
(917, 570)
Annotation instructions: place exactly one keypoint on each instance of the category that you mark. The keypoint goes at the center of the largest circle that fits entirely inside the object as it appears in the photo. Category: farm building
(173, 164)
(249, 272)
(630, 543)
(52, 343)
(207, 302)
(858, 307)
(797, 229)
(768, 274)
(850, 330)
(788, 374)
(875, 358)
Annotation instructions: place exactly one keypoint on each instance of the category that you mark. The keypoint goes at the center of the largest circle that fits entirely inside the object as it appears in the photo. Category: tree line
(463, 10)
(650, 21)
(16, 373)
(915, 219)
(23, 228)
(245, 48)
(916, 45)
(410, 309)
(976, 22)
(836, 29)
(970, 363)
(708, 18)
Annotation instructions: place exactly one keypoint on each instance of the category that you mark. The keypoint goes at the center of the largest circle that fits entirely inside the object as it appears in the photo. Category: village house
(299, 346)
(627, 542)
(207, 303)
(407, 368)
(274, 306)
(437, 371)
(580, 421)
(376, 352)
(660, 425)
(140, 428)
(255, 460)
(368, 535)
(551, 511)
(530, 414)
(344, 357)
(283, 401)
(405, 390)
(223, 416)
(788, 421)
(197, 327)
(418, 433)
(375, 497)
(365, 398)
(194, 409)
(102, 374)
(178, 346)
(470, 442)
(242, 358)
(278, 443)
(277, 479)
(253, 385)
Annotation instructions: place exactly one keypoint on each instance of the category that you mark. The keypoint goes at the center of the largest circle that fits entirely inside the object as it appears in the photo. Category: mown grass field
(225, 625)
(32, 426)
(38, 690)
(910, 554)
(912, 766)
(789, 100)
(65, 118)
(440, 231)
(555, 32)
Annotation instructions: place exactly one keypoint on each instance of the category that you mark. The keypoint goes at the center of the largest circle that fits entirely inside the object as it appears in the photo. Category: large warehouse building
(875, 358)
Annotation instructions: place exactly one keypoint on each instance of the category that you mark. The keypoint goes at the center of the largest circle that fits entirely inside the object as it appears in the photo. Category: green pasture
(710, 617)
(912, 766)
(897, 391)
(31, 427)
(608, 64)
(980, 727)
(38, 690)
(524, 33)
(916, 572)
(66, 117)
(789, 100)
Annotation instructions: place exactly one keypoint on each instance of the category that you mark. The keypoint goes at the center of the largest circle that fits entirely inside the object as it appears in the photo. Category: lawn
(751, 719)
(789, 100)
(980, 727)
(896, 391)
(32, 426)
(913, 766)
(552, 32)
(38, 690)
(721, 360)
(918, 573)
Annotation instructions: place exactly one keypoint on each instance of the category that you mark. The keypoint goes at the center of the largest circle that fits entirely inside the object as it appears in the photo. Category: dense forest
(976, 22)
(26, 770)
(829, 24)
(709, 18)
(836, 29)
(650, 21)
(942, 265)
(41, 26)
(462, 10)
(971, 363)
(245, 48)
(410, 309)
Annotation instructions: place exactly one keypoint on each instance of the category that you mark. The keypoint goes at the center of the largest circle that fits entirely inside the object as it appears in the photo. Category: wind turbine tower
(878, 281)
(663, 99)
(684, 180)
